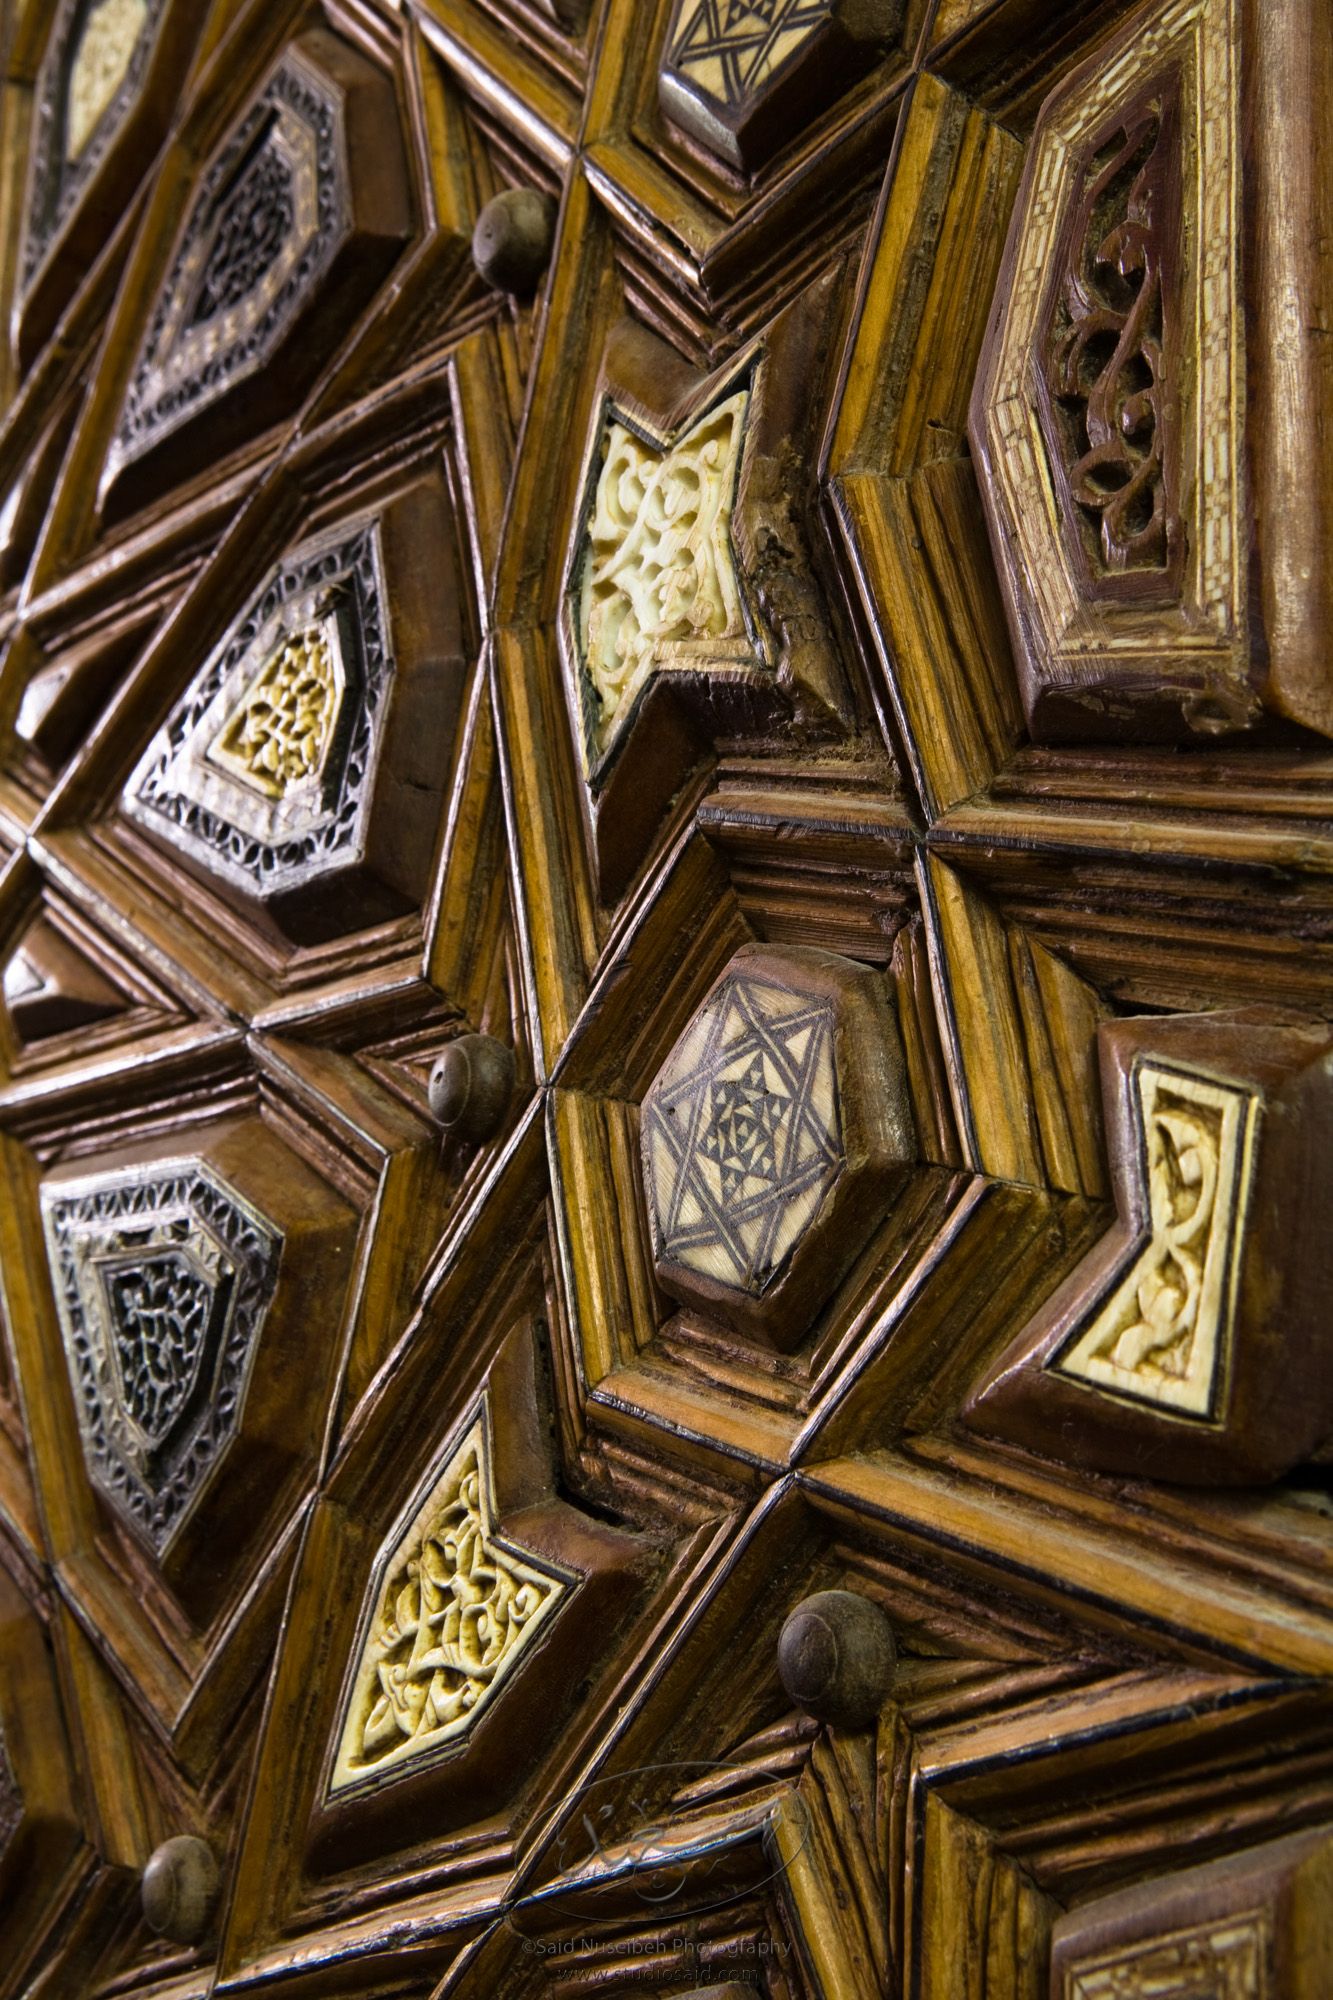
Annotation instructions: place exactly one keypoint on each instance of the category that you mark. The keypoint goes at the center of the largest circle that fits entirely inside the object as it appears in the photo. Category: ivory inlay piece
(163, 1278)
(1225, 1959)
(659, 588)
(730, 48)
(742, 1133)
(264, 771)
(453, 1608)
(90, 80)
(1112, 475)
(101, 61)
(270, 215)
(745, 76)
(280, 734)
(1164, 1332)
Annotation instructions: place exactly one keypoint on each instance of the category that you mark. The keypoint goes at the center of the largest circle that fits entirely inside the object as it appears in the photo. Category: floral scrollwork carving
(1109, 351)
(1162, 1334)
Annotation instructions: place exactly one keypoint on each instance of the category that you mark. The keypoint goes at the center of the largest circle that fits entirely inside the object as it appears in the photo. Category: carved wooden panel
(667, 955)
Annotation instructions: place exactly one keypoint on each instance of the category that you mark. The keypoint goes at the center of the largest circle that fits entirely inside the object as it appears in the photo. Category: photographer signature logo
(647, 1837)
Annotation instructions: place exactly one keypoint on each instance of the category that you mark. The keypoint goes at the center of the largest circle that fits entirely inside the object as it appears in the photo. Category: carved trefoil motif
(266, 224)
(1164, 1333)
(656, 586)
(163, 1276)
(263, 772)
(452, 1610)
(93, 68)
(743, 75)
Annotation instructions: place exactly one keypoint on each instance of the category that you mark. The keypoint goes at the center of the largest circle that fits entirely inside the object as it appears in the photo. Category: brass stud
(511, 244)
(180, 1889)
(836, 1657)
(471, 1085)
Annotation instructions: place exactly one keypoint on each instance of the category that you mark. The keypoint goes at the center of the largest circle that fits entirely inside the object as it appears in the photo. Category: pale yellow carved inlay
(1227, 1959)
(278, 735)
(105, 47)
(1162, 1334)
(659, 587)
(454, 1611)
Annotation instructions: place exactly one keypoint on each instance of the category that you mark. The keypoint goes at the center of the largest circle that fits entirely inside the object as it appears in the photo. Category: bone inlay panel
(268, 219)
(90, 76)
(657, 586)
(264, 769)
(742, 1133)
(163, 1277)
(1227, 1959)
(1162, 1335)
(452, 1609)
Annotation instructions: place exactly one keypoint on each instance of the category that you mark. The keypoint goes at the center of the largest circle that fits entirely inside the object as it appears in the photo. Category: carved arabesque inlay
(266, 223)
(163, 1277)
(453, 1610)
(1162, 1334)
(92, 72)
(279, 736)
(657, 587)
(1111, 344)
(264, 769)
(1224, 1959)
(101, 60)
(257, 221)
(742, 1133)
(730, 48)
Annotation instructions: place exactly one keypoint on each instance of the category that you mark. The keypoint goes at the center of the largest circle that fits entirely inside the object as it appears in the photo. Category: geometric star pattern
(742, 1134)
(730, 48)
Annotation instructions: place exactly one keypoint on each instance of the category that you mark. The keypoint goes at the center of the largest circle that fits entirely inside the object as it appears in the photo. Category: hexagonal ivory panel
(744, 76)
(772, 1136)
(163, 1276)
(451, 1610)
(94, 65)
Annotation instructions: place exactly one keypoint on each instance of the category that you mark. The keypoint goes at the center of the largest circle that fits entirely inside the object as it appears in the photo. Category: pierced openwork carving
(263, 770)
(163, 1277)
(742, 1133)
(1111, 348)
(94, 65)
(1226, 1958)
(657, 583)
(1111, 472)
(281, 731)
(1163, 1334)
(269, 218)
(453, 1608)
